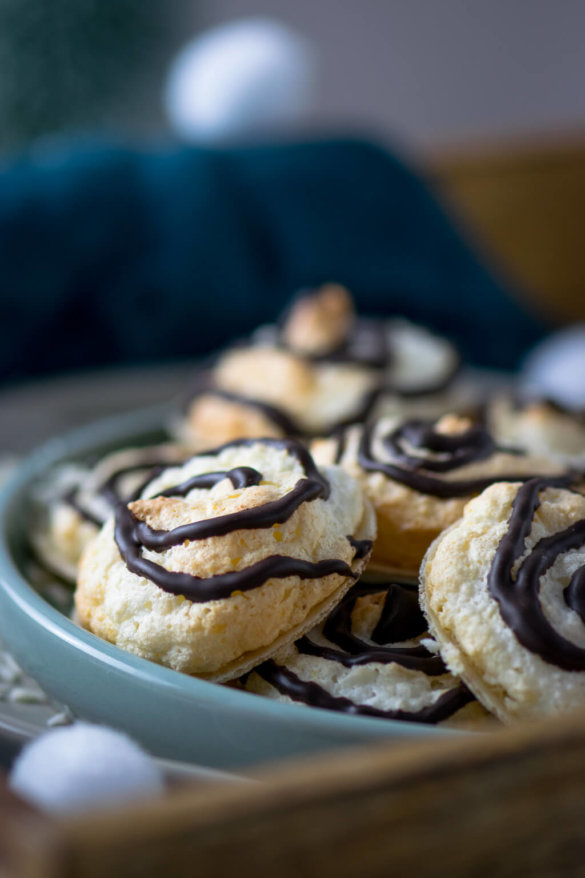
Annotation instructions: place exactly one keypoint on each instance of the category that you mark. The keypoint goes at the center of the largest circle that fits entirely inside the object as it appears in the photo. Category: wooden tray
(506, 804)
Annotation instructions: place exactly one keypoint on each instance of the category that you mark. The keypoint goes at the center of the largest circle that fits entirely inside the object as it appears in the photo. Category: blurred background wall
(438, 73)
(430, 75)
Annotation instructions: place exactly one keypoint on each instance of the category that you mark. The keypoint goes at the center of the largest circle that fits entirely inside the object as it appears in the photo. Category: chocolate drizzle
(518, 594)
(240, 477)
(463, 448)
(288, 683)
(447, 453)
(400, 620)
(362, 547)
(134, 535)
(71, 498)
(111, 490)
(267, 515)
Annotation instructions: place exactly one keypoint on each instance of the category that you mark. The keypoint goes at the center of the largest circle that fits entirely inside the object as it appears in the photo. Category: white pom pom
(556, 368)
(83, 766)
(248, 77)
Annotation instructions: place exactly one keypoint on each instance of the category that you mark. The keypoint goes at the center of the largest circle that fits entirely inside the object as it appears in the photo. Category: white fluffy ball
(249, 77)
(556, 368)
(82, 766)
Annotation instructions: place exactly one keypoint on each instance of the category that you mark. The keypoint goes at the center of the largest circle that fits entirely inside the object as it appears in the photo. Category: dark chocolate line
(464, 448)
(222, 585)
(518, 597)
(71, 498)
(288, 683)
(400, 619)
(291, 446)
(575, 593)
(340, 439)
(110, 490)
(258, 517)
(362, 547)
(240, 477)
(428, 484)
(415, 658)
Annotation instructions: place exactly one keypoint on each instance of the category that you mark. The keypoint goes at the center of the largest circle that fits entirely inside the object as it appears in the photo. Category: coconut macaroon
(504, 593)
(419, 474)
(72, 505)
(226, 559)
(370, 658)
(320, 368)
(539, 427)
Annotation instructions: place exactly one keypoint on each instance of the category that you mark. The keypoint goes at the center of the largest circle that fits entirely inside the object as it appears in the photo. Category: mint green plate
(173, 715)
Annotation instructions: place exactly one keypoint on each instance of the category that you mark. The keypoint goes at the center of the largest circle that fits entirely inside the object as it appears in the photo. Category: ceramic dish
(171, 714)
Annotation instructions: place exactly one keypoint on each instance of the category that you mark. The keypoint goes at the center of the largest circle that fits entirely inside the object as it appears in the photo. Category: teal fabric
(111, 255)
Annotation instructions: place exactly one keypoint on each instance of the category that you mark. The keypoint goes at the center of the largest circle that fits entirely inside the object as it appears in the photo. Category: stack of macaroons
(338, 480)
(318, 370)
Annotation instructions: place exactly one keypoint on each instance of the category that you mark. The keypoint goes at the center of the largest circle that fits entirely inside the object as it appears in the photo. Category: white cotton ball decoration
(82, 766)
(555, 369)
(250, 77)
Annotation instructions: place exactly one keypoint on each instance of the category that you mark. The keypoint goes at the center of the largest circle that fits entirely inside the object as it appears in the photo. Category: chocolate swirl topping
(518, 594)
(439, 453)
(133, 535)
(314, 695)
(400, 619)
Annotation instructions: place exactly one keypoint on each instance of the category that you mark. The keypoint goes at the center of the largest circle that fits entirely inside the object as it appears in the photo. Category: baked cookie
(370, 658)
(226, 559)
(419, 475)
(540, 427)
(504, 593)
(73, 504)
(319, 369)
